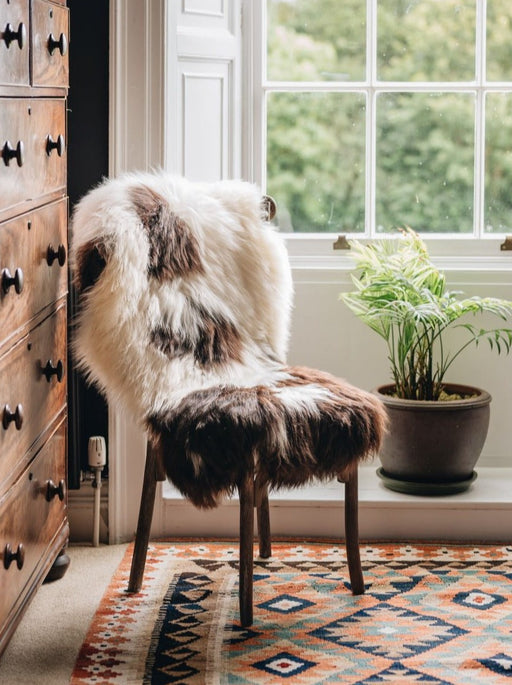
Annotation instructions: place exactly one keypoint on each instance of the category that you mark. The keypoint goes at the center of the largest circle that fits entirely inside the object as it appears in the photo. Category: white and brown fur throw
(184, 307)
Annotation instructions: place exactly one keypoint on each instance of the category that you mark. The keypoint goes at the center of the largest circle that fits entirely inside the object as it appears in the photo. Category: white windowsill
(481, 514)
(492, 488)
(315, 251)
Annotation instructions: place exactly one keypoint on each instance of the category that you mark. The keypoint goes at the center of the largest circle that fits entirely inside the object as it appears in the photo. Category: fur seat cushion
(310, 425)
(184, 294)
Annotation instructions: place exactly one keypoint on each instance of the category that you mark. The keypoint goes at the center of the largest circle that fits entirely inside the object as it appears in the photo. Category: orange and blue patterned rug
(434, 614)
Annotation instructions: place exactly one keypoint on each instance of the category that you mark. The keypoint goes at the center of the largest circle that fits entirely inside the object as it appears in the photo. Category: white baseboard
(481, 514)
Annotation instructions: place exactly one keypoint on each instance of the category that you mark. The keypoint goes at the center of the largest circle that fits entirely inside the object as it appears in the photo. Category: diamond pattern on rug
(433, 614)
(284, 664)
(169, 656)
(326, 665)
(478, 600)
(397, 587)
(286, 604)
(389, 631)
(398, 673)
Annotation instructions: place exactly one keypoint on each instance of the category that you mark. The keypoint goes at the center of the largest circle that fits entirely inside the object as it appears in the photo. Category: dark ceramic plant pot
(432, 447)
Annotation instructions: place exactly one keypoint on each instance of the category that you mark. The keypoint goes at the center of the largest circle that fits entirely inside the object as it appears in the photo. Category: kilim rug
(433, 614)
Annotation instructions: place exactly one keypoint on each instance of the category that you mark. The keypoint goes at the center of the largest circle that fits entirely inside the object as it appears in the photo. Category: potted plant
(437, 428)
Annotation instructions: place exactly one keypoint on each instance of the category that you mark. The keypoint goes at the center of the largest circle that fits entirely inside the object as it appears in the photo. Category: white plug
(97, 452)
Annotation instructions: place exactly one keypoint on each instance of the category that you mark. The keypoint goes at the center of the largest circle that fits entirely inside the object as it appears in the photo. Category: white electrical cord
(96, 484)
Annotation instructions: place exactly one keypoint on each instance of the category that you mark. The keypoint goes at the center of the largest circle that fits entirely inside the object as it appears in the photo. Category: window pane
(316, 41)
(498, 163)
(425, 162)
(499, 43)
(426, 40)
(315, 160)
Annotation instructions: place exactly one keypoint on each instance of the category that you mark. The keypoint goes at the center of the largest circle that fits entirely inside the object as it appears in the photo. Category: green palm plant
(401, 295)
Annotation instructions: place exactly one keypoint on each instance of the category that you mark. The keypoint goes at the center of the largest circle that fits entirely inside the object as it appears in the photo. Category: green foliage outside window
(424, 141)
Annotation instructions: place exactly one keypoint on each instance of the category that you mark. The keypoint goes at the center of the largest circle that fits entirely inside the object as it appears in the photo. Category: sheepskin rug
(185, 297)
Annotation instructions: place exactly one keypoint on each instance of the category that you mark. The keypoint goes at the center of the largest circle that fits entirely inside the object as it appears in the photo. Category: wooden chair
(252, 495)
(185, 294)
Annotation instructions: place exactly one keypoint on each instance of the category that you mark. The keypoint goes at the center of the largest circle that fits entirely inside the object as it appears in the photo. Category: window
(375, 114)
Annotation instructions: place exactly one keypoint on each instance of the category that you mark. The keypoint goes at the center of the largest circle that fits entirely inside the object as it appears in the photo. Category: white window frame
(315, 249)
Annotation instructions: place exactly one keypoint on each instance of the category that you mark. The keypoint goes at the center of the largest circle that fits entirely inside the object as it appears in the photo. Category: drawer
(28, 519)
(32, 392)
(33, 149)
(50, 37)
(14, 43)
(33, 261)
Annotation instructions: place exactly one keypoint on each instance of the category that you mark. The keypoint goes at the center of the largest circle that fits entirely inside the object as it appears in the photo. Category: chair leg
(352, 533)
(246, 495)
(147, 502)
(263, 516)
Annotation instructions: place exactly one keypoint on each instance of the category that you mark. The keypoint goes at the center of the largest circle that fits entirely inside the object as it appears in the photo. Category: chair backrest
(181, 286)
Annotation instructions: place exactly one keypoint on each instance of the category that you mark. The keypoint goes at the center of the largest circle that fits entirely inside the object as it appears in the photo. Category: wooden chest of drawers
(33, 299)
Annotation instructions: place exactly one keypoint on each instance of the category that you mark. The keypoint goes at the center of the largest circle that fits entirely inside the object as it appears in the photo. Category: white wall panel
(204, 121)
(205, 8)
(203, 108)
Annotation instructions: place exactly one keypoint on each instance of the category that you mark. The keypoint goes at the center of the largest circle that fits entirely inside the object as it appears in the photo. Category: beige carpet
(46, 643)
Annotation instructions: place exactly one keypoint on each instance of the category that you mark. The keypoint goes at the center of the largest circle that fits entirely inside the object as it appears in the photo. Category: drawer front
(33, 149)
(28, 519)
(31, 396)
(14, 43)
(50, 36)
(33, 264)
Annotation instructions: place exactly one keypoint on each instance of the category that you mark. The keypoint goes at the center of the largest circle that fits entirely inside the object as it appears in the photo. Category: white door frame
(136, 124)
(162, 53)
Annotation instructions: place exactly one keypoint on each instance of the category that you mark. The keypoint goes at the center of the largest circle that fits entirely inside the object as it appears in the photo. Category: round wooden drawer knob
(58, 145)
(9, 280)
(20, 36)
(58, 254)
(10, 416)
(50, 370)
(53, 490)
(60, 44)
(9, 152)
(18, 556)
